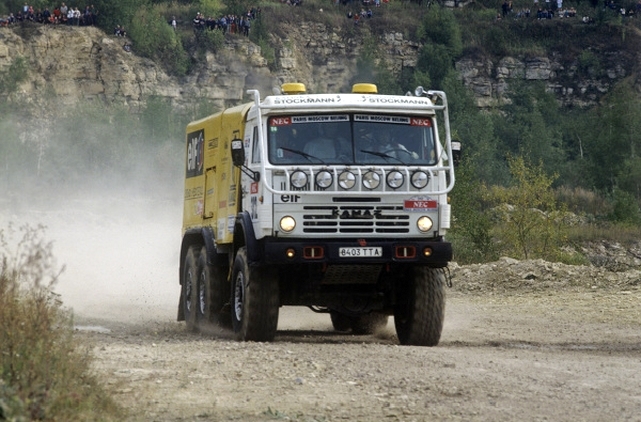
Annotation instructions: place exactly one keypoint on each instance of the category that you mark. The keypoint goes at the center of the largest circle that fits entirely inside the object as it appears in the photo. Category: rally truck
(333, 201)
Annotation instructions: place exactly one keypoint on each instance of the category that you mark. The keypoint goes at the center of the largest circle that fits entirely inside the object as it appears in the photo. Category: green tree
(530, 218)
(153, 37)
(442, 44)
(471, 229)
(528, 125)
(611, 140)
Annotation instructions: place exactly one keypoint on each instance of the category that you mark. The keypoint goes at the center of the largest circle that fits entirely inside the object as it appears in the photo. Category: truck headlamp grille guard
(356, 179)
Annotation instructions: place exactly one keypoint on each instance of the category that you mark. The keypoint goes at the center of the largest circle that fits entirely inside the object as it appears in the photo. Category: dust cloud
(120, 253)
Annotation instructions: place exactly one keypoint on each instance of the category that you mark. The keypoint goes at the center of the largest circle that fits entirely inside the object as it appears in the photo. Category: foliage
(45, 374)
(117, 12)
(530, 221)
(625, 208)
(528, 125)
(471, 233)
(441, 35)
(439, 26)
(13, 76)
(152, 36)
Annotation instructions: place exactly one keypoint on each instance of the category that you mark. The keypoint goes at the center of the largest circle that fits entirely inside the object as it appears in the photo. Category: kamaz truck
(333, 201)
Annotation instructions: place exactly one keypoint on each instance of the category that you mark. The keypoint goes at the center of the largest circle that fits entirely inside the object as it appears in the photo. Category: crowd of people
(62, 14)
(228, 24)
(548, 9)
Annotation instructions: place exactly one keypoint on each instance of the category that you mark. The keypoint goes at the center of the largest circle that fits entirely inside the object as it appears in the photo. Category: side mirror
(237, 152)
(456, 152)
(238, 158)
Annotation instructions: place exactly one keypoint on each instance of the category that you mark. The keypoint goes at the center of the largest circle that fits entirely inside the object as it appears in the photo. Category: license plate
(361, 252)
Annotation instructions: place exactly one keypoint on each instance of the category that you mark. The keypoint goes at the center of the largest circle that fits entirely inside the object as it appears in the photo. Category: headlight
(420, 179)
(324, 179)
(424, 224)
(395, 179)
(287, 224)
(346, 180)
(371, 180)
(298, 179)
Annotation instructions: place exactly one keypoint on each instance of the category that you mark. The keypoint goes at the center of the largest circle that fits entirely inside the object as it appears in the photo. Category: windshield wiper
(307, 156)
(383, 155)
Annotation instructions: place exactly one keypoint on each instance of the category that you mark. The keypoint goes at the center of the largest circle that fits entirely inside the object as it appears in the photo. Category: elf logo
(195, 153)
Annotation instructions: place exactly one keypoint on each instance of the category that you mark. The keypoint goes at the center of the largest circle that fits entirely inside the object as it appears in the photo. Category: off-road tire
(420, 311)
(188, 293)
(255, 300)
(369, 323)
(212, 293)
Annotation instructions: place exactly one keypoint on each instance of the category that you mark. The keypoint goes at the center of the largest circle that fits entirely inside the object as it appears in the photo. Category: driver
(384, 143)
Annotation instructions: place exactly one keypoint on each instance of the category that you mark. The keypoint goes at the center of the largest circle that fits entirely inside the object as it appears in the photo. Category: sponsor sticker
(420, 204)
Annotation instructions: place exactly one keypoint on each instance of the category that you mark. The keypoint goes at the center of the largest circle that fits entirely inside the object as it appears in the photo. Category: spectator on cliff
(25, 8)
(246, 26)
(70, 16)
(173, 23)
(76, 16)
(86, 17)
(120, 31)
(46, 16)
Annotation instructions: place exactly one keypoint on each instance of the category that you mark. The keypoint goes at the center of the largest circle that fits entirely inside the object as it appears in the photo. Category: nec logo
(420, 122)
(281, 121)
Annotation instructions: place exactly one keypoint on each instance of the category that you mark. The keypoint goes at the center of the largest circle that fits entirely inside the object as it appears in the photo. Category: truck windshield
(359, 139)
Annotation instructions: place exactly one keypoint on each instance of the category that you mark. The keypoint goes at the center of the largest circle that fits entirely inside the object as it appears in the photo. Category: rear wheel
(212, 294)
(188, 294)
(255, 300)
(420, 311)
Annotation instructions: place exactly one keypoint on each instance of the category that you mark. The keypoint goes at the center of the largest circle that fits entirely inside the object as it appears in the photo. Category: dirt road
(560, 356)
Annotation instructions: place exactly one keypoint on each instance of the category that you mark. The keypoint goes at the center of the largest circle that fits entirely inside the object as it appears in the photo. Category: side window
(255, 147)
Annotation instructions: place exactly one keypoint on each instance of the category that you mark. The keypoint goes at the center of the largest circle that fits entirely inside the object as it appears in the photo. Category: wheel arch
(244, 236)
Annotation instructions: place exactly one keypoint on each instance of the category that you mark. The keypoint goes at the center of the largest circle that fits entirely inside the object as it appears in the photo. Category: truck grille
(355, 219)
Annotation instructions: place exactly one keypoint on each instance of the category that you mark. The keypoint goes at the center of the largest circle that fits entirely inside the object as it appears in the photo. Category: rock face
(67, 64)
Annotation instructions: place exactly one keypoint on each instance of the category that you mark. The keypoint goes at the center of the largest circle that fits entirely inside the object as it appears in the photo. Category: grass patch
(46, 373)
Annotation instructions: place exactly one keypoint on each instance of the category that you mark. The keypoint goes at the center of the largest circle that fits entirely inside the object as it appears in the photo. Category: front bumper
(434, 253)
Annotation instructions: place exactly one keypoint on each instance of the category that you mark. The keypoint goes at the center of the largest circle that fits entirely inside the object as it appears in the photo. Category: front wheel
(255, 300)
(420, 311)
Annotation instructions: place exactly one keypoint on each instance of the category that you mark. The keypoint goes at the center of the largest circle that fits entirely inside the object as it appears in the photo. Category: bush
(45, 375)
(530, 225)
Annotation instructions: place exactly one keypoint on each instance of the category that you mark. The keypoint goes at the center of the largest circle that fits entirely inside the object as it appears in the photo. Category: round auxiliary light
(395, 179)
(424, 223)
(298, 179)
(346, 180)
(371, 180)
(324, 179)
(287, 224)
(420, 179)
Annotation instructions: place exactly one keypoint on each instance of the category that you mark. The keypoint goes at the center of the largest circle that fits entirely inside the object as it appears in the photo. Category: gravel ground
(548, 354)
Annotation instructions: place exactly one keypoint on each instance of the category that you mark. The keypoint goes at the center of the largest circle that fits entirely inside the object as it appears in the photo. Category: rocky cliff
(67, 64)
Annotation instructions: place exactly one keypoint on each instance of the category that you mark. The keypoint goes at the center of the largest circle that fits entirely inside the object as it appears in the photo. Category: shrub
(530, 225)
(45, 374)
